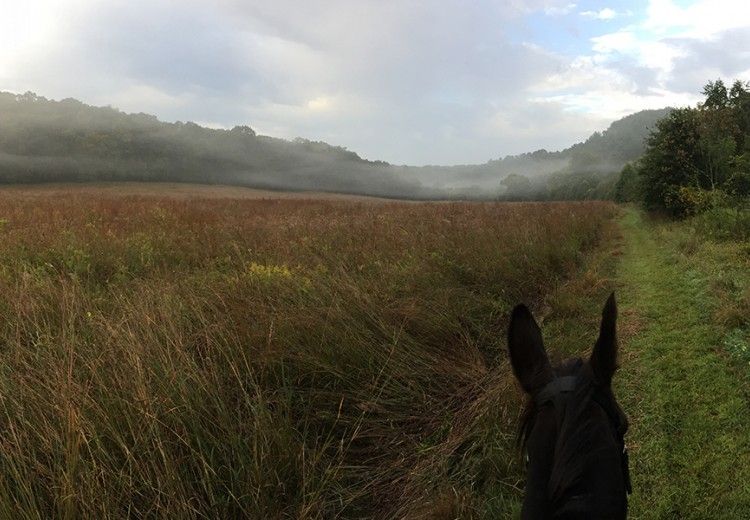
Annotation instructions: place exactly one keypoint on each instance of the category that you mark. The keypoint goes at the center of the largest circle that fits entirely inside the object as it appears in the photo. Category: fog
(42, 140)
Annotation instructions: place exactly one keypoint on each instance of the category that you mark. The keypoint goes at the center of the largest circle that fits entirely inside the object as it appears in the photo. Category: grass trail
(690, 423)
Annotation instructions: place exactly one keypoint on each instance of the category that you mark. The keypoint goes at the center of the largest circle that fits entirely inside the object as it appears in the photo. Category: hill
(43, 140)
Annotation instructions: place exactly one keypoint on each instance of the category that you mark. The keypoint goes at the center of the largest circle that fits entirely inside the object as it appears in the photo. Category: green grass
(690, 433)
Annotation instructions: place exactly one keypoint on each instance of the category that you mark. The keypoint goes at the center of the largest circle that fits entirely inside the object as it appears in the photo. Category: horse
(572, 429)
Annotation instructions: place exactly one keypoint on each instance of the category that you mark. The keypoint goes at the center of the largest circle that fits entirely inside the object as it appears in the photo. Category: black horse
(572, 429)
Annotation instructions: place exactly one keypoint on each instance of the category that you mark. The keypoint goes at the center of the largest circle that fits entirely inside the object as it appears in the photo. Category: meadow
(182, 357)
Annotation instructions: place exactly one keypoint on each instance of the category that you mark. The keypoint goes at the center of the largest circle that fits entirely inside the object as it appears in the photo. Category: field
(211, 357)
(193, 354)
(170, 190)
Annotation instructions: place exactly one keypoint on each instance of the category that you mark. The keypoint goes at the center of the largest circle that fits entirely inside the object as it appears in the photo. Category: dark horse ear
(527, 355)
(604, 357)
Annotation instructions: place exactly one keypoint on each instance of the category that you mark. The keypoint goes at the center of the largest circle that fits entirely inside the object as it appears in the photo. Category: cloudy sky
(416, 82)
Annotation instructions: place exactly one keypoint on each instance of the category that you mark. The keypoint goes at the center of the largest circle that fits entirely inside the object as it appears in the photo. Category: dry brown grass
(175, 190)
(190, 358)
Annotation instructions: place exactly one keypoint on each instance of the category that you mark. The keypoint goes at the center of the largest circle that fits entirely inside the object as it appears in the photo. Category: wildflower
(269, 272)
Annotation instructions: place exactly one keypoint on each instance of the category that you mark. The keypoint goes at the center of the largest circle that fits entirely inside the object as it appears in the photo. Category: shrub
(725, 223)
(686, 200)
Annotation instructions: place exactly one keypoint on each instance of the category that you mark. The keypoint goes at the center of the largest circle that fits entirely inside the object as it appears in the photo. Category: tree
(695, 157)
(738, 184)
(627, 187)
(739, 101)
(243, 130)
(672, 157)
(716, 95)
(517, 187)
(719, 134)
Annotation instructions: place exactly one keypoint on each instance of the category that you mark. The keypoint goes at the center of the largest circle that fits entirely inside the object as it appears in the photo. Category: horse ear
(527, 355)
(604, 357)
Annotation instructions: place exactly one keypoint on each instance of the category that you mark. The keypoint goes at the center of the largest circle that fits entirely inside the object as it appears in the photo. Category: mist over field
(43, 140)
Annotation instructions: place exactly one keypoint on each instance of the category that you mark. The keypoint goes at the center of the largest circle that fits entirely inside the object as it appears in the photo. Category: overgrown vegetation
(267, 359)
(697, 158)
(724, 223)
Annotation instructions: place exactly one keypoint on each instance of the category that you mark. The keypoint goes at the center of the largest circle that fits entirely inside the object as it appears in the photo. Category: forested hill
(43, 140)
(62, 141)
(584, 170)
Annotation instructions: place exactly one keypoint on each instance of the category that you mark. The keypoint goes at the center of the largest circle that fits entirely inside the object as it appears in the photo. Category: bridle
(558, 387)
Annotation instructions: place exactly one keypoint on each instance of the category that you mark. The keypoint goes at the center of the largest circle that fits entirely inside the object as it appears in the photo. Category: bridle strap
(614, 419)
(559, 385)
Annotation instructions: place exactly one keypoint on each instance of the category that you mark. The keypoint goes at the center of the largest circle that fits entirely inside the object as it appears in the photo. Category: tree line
(697, 158)
(586, 170)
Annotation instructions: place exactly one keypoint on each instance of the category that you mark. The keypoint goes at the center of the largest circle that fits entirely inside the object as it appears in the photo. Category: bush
(739, 184)
(687, 201)
(725, 223)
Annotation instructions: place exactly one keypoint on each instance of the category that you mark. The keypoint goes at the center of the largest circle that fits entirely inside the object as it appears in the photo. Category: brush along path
(690, 424)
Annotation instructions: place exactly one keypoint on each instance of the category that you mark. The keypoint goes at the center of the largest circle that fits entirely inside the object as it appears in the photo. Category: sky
(406, 81)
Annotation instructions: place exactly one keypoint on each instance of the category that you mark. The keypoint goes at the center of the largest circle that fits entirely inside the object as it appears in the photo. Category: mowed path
(690, 417)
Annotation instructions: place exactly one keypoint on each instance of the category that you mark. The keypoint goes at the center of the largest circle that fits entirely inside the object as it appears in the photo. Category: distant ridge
(43, 140)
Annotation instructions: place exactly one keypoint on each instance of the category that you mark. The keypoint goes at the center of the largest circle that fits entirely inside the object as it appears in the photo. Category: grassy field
(214, 357)
(171, 190)
(217, 357)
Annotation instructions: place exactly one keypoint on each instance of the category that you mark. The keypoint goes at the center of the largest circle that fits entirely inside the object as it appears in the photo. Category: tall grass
(267, 359)
(724, 223)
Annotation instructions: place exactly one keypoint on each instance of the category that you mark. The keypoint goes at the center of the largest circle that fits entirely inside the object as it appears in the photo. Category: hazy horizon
(411, 83)
(208, 126)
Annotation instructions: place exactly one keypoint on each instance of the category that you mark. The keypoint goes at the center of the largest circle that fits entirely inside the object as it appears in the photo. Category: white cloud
(648, 52)
(701, 19)
(659, 61)
(609, 105)
(560, 10)
(28, 28)
(670, 33)
(562, 126)
(604, 14)
(320, 103)
(144, 98)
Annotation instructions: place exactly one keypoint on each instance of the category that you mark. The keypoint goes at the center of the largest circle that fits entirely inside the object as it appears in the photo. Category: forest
(683, 161)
